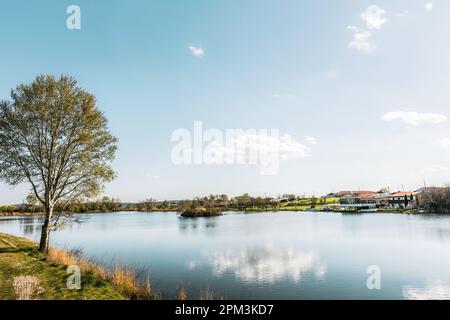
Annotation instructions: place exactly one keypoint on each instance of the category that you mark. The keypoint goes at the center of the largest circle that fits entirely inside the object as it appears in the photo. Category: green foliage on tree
(53, 136)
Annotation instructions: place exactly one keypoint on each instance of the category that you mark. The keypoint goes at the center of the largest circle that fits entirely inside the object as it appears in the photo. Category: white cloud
(444, 143)
(429, 6)
(197, 51)
(287, 146)
(414, 118)
(361, 40)
(284, 147)
(310, 140)
(374, 17)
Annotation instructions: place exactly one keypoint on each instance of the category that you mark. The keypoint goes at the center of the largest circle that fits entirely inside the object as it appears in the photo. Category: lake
(284, 255)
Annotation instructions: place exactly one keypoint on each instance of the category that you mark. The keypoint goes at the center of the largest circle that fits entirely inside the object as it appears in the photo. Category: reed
(125, 280)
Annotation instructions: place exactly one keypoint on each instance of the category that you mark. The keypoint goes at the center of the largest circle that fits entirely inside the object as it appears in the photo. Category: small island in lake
(201, 212)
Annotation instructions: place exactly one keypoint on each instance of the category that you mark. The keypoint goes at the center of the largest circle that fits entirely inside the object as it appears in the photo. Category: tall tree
(53, 136)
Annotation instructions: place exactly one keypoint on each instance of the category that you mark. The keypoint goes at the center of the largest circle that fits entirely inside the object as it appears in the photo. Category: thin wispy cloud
(375, 18)
(435, 169)
(310, 140)
(432, 170)
(402, 14)
(362, 40)
(414, 118)
(152, 176)
(197, 51)
(283, 95)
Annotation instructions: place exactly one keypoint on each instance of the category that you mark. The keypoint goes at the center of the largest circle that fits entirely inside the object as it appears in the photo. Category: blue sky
(324, 69)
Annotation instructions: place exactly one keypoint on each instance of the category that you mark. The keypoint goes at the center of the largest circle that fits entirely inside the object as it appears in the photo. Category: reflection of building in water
(266, 264)
(437, 290)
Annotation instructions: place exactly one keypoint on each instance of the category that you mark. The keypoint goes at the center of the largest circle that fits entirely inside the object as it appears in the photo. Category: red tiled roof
(345, 193)
(404, 193)
(369, 195)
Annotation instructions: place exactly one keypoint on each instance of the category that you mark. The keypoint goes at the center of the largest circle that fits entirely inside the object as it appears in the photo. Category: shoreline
(243, 211)
(20, 214)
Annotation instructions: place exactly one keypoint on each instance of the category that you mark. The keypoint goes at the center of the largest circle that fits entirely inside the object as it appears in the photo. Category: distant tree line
(433, 200)
(104, 204)
(211, 203)
(222, 202)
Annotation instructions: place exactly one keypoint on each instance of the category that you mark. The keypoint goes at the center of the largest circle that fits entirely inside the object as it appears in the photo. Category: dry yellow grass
(182, 294)
(125, 280)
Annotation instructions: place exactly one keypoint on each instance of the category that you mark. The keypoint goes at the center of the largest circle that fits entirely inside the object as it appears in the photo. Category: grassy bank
(28, 274)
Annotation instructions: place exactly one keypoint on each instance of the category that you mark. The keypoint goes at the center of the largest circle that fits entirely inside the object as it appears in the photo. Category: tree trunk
(45, 234)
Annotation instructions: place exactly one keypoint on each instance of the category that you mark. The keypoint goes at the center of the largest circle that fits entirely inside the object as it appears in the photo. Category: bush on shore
(435, 200)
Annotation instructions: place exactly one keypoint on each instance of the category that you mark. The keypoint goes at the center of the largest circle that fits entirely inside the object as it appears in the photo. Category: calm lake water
(285, 255)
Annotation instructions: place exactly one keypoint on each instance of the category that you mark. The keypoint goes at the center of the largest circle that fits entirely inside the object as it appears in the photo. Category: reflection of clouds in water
(265, 264)
(437, 290)
(192, 265)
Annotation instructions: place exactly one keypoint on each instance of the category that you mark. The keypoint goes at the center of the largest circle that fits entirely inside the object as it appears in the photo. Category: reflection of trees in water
(210, 225)
(186, 224)
(30, 225)
(195, 225)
